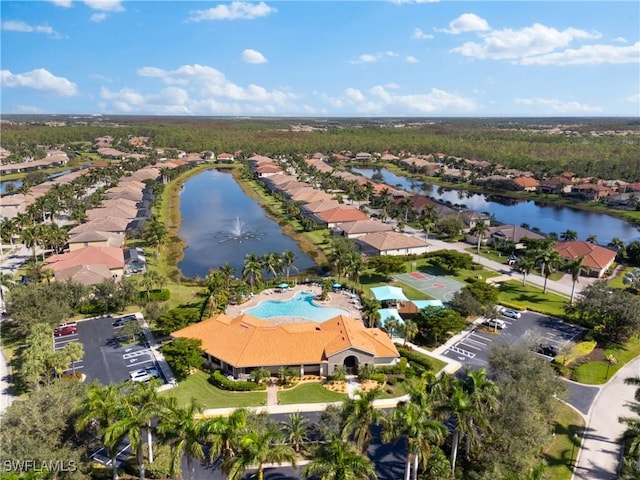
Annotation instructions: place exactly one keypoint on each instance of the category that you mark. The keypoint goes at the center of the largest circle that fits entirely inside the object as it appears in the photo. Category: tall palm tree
(337, 460)
(483, 394)
(214, 291)
(184, 433)
(227, 272)
(592, 239)
(568, 235)
(252, 269)
(526, 265)
(413, 421)
(99, 410)
(426, 224)
(134, 414)
(354, 267)
(257, 448)
(480, 230)
(359, 415)
(550, 260)
(29, 236)
(575, 268)
(223, 433)
(288, 257)
(370, 312)
(272, 263)
(409, 331)
(155, 233)
(295, 429)
(616, 243)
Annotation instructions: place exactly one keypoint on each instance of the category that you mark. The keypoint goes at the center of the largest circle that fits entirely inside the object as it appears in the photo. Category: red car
(66, 330)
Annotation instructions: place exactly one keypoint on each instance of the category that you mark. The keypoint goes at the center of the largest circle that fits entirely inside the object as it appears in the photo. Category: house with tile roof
(361, 227)
(338, 215)
(320, 206)
(590, 191)
(104, 224)
(528, 184)
(309, 195)
(556, 184)
(95, 239)
(311, 348)
(390, 243)
(225, 157)
(512, 233)
(596, 258)
(110, 257)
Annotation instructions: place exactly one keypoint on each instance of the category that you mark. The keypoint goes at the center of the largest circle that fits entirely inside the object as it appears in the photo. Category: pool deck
(339, 299)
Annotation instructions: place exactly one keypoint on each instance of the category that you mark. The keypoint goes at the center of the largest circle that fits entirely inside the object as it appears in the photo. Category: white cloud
(18, 26)
(467, 22)
(233, 11)
(634, 98)
(253, 56)
(420, 35)
(555, 106)
(588, 54)
(98, 17)
(378, 100)
(105, 5)
(508, 44)
(620, 40)
(61, 3)
(39, 79)
(411, 59)
(372, 58)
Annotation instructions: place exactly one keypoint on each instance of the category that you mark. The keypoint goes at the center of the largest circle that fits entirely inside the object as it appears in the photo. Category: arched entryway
(351, 364)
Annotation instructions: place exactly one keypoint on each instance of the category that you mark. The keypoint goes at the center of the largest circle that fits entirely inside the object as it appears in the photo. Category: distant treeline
(513, 143)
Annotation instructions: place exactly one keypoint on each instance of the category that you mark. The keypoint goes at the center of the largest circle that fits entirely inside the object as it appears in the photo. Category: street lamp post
(574, 438)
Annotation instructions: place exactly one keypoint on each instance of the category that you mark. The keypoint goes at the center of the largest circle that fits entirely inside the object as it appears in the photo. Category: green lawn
(371, 280)
(561, 453)
(616, 282)
(597, 373)
(309, 393)
(197, 386)
(529, 297)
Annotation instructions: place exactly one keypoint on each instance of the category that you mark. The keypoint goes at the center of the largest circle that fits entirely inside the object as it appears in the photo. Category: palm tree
(526, 266)
(154, 234)
(354, 267)
(592, 239)
(568, 235)
(214, 292)
(480, 230)
(288, 257)
(550, 259)
(29, 236)
(99, 410)
(134, 414)
(295, 430)
(336, 460)
(413, 421)
(426, 224)
(252, 269)
(227, 272)
(223, 433)
(575, 268)
(634, 381)
(409, 331)
(370, 312)
(272, 263)
(359, 415)
(257, 448)
(483, 394)
(616, 243)
(183, 432)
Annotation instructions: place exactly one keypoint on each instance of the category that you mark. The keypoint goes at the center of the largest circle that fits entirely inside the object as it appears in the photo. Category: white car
(144, 375)
(507, 312)
(495, 323)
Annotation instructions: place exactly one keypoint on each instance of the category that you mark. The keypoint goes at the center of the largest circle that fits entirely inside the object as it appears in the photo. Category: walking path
(5, 384)
(599, 456)
(272, 392)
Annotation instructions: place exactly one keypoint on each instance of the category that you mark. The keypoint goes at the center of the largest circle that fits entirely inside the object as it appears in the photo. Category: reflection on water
(548, 218)
(214, 208)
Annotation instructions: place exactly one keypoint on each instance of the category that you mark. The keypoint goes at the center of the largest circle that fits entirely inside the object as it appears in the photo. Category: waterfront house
(335, 216)
(390, 243)
(596, 258)
(361, 227)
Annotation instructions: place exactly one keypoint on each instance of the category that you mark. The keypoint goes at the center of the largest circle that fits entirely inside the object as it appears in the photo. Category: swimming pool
(299, 306)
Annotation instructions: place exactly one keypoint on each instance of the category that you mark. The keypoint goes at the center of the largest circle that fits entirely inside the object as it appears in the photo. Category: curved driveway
(600, 454)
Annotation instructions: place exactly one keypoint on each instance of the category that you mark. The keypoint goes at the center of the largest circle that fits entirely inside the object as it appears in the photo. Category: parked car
(495, 323)
(144, 374)
(507, 312)
(65, 330)
(548, 350)
(119, 322)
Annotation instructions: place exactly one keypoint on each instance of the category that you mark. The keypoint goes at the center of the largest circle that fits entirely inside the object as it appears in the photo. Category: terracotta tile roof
(595, 256)
(113, 239)
(105, 224)
(383, 241)
(260, 343)
(112, 257)
(365, 226)
(553, 181)
(514, 233)
(135, 196)
(268, 169)
(84, 274)
(342, 214)
(526, 182)
(112, 211)
(321, 206)
(310, 195)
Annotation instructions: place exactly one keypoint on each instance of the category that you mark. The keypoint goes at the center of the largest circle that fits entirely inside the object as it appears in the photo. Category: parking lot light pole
(574, 461)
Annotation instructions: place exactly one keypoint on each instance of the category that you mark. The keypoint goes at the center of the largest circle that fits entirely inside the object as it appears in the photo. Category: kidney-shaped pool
(301, 305)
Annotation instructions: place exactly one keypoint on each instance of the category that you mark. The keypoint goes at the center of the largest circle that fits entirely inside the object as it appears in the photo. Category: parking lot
(530, 329)
(106, 358)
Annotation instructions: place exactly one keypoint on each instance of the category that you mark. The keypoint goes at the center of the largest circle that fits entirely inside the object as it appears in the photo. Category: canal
(548, 218)
(221, 223)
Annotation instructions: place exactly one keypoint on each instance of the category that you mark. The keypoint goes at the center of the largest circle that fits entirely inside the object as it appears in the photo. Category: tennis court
(436, 286)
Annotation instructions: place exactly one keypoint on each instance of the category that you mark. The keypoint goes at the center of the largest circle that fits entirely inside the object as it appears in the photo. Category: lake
(548, 218)
(220, 223)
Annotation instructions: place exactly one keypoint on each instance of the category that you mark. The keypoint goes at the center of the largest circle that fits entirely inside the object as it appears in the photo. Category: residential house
(506, 233)
(310, 348)
(390, 243)
(105, 224)
(335, 216)
(225, 158)
(267, 170)
(528, 184)
(471, 218)
(95, 239)
(320, 206)
(111, 257)
(590, 191)
(361, 227)
(596, 258)
(363, 157)
(555, 185)
(134, 261)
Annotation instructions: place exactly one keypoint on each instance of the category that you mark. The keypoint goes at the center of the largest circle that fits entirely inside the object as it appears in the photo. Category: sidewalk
(159, 358)
(599, 456)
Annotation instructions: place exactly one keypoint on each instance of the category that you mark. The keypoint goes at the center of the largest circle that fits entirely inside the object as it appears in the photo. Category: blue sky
(321, 58)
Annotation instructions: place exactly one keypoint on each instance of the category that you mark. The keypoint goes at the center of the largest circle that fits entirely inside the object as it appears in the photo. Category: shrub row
(220, 381)
(415, 358)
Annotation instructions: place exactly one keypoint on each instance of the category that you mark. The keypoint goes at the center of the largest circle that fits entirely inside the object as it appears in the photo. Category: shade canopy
(420, 304)
(388, 293)
(336, 285)
(387, 313)
(283, 285)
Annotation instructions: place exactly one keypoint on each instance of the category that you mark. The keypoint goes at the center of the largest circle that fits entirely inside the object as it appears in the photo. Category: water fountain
(238, 233)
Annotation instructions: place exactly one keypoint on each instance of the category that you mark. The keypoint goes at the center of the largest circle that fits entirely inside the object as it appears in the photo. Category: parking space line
(139, 363)
(484, 339)
(462, 351)
(137, 353)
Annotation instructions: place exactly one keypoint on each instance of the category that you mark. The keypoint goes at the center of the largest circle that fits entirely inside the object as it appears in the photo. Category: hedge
(415, 358)
(154, 295)
(220, 381)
